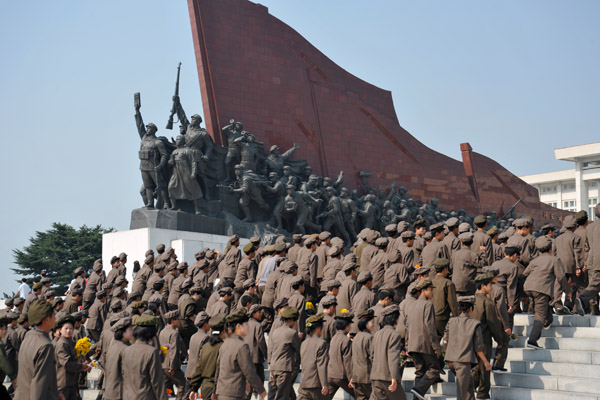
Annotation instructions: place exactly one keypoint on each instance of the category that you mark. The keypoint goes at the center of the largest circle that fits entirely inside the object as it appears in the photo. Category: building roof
(574, 153)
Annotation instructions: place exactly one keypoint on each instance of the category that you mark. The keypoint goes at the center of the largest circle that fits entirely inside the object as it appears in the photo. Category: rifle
(174, 108)
(512, 209)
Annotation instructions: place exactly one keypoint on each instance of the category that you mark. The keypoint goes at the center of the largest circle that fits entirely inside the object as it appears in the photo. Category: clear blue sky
(515, 79)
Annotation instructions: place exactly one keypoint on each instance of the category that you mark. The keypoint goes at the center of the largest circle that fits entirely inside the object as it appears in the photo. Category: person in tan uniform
(229, 265)
(420, 227)
(464, 346)
(314, 355)
(444, 295)
(410, 257)
(540, 276)
(361, 356)
(113, 381)
(365, 298)
(333, 289)
(298, 301)
(321, 253)
(203, 376)
(569, 249)
(379, 262)
(451, 239)
(333, 267)
(369, 251)
(508, 277)
(256, 340)
(386, 373)
(436, 248)
(348, 288)
(37, 360)
(235, 369)
(67, 365)
(339, 368)
(482, 243)
(498, 296)
(397, 276)
(592, 263)
(247, 269)
(171, 339)
(284, 356)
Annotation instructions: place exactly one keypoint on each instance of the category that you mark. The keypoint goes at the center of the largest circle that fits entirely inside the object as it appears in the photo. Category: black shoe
(499, 370)
(438, 380)
(417, 394)
(579, 307)
(534, 345)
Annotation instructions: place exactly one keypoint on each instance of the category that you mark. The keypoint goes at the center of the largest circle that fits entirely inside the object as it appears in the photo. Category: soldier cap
(348, 267)
(491, 269)
(441, 263)
(466, 299)
(224, 291)
(255, 240)
(146, 320)
(419, 223)
(37, 286)
(310, 241)
(78, 271)
(364, 277)
(391, 228)
(372, 236)
(324, 235)
(581, 217)
(201, 318)
(279, 247)
(466, 237)
(484, 278)
(149, 259)
(333, 283)
(249, 248)
(65, 319)
(255, 308)
(279, 303)
(315, 320)
(9, 302)
(382, 242)
(238, 316)
(543, 243)
(424, 284)
(520, 222)
(160, 248)
(452, 222)
(438, 227)
(49, 294)
(569, 222)
(233, 239)
(390, 310)
(367, 314)
(38, 310)
(348, 316)
(290, 313)
(329, 300)
(18, 301)
(422, 271)
(407, 235)
(480, 219)
(334, 251)
(492, 231)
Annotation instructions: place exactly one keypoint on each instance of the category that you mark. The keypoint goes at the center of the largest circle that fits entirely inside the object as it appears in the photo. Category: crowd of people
(436, 296)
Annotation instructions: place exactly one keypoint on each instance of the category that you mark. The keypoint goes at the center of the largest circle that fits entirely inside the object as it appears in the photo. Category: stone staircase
(567, 368)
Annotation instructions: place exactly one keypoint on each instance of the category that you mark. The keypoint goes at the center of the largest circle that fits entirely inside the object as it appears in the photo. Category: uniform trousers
(94, 335)
(543, 314)
(362, 391)
(260, 371)
(427, 370)
(70, 392)
(464, 381)
(335, 384)
(501, 352)
(178, 380)
(311, 394)
(592, 289)
(281, 385)
(381, 391)
(481, 377)
(207, 389)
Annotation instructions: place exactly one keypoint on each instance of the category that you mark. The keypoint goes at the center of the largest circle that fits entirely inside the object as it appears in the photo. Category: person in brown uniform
(314, 354)
(169, 337)
(498, 296)
(284, 356)
(256, 341)
(235, 369)
(444, 295)
(143, 376)
(437, 248)
(464, 346)
(361, 356)
(339, 369)
(37, 361)
(379, 263)
(93, 284)
(97, 316)
(482, 243)
(6, 368)
(349, 287)
(508, 277)
(247, 269)
(228, 266)
(67, 365)
(203, 376)
(113, 370)
(484, 311)
(451, 239)
(321, 252)
(365, 298)
(593, 263)
(298, 301)
(569, 249)
(410, 257)
(397, 276)
(386, 375)
(465, 263)
(540, 276)
(333, 267)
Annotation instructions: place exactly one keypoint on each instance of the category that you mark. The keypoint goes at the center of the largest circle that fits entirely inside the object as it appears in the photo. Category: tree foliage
(58, 251)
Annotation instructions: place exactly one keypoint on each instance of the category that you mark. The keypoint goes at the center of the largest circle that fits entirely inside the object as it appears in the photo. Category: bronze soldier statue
(183, 184)
(233, 131)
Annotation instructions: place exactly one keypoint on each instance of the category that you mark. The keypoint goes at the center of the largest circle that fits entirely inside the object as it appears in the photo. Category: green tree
(58, 252)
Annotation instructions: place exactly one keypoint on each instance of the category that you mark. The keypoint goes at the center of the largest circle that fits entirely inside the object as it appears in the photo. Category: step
(583, 344)
(547, 382)
(90, 394)
(558, 356)
(561, 320)
(561, 331)
(588, 371)
(515, 393)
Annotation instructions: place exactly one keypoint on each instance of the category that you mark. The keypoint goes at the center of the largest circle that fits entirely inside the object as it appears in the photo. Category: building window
(549, 189)
(552, 204)
(568, 188)
(592, 203)
(593, 184)
(569, 205)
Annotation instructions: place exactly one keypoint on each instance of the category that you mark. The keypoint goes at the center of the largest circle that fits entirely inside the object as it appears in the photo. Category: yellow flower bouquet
(82, 347)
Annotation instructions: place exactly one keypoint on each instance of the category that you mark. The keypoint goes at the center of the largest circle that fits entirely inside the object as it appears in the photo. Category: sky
(514, 79)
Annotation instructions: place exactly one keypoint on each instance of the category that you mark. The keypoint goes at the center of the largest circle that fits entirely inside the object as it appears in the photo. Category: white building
(571, 188)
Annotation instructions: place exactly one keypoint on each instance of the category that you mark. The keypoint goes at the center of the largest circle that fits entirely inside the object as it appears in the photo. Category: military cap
(484, 278)
(324, 235)
(45, 280)
(492, 231)
(158, 284)
(217, 323)
(160, 248)
(382, 242)
(22, 318)
(333, 251)
(290, 313)
(333, 283)
(391, 228)
(428, 236)
(491, 269)
(581, 216)
(101, 293)
(18, 301)
(116, 305)
(480, 219)
(200, 253)
(135, 294)
(419, 223)
(520, 222)
(548, 227)
(65, 319)
(85, 313)
(441, 263)
(309, 241)
(57, 300)
(159, 267)
(466, 299)
(122, 256)
(297, 280)
(196, 289)
(187, 283)
(328, 300)
(12, 316)
(424, 284)
(9, 302)
(238, 316)
(120, 280)
(138, 304)
(233, 239)
(407, 235)
(146, 320)
(149, 259)
(315, 320)
(49, 294)
(279, 303)
(348, 267)
(249, 248)
(254, 308)
(543, 243)
(172, 266)
(277, 247)
(372, 236)
(201, 318)
(78, 271)
(436, 227)
(149, 252)
(224, 291)
(390, 309)
(118, 292)
(569, 222)
(464, 227)
(364, 277)
(170, 250)
(452, 222)
(38, 310)
(122, 323)
(502, 236)
(211, 253)
(114, 259)
(422, 271)
(107, 285)
(78, 316)
(367, 314)
(37, 286)
(348, 316)
(255, 240)
(466, 237)
(172, 315)
(248, 283)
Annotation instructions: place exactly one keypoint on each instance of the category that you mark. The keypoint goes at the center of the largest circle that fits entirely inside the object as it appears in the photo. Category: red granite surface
(256, 69)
